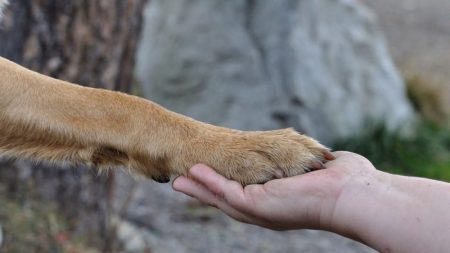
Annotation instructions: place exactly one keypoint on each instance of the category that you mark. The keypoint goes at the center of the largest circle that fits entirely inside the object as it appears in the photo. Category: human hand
(305, 201)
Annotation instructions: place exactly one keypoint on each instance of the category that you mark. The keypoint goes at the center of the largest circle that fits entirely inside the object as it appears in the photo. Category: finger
(198, 191)
(339, 157)
(195, 190)
(230, 191)
(338, 154)
(350, 161)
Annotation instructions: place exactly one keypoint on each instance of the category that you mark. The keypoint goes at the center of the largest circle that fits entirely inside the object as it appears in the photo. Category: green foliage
(426, 154)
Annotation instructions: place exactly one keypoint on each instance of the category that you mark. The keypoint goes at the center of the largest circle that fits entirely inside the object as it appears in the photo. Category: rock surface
(320, 66)
(418, 33)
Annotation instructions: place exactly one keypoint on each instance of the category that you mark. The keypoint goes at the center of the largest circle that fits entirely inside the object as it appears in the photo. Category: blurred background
(367, 76)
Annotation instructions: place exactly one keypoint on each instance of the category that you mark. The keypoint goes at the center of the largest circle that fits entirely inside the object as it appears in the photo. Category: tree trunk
(87, 42)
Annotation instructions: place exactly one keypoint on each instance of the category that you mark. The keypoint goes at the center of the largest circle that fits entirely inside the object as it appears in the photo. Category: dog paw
(257, 157)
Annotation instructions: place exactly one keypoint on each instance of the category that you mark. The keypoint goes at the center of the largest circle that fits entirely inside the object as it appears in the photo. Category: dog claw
(279, 174)
(161, 179)
(328, 155)
(317, 166)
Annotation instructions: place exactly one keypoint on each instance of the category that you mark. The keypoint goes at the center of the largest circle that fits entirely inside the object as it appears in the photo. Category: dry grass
(428, 99)
(33, 226)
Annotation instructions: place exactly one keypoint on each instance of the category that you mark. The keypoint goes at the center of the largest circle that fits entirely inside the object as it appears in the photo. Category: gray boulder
(320, 66)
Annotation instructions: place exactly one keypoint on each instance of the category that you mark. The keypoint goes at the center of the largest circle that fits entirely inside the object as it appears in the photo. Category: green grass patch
(426, 154)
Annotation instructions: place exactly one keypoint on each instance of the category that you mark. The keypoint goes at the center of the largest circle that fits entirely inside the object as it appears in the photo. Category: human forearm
(395, 213)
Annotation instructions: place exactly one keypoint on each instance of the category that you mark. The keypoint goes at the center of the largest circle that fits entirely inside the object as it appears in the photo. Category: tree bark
(92, 43)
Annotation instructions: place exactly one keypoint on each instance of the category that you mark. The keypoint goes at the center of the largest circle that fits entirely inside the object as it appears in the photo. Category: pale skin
(389, 213)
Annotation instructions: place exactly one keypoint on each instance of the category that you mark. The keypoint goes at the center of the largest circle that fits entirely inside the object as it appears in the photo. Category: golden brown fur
(48, 119)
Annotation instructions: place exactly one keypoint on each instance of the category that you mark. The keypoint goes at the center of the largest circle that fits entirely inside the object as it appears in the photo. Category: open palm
(305, 201)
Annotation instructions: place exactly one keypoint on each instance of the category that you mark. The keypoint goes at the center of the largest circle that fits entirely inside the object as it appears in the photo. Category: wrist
(391, 213)
(361, 205)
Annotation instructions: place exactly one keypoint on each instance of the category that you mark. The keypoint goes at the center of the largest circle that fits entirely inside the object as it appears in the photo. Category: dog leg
(47, 119)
